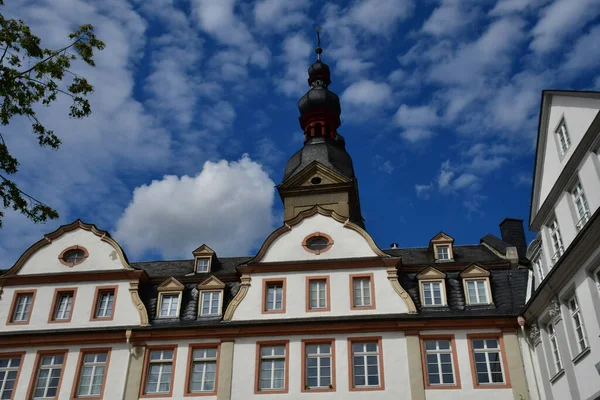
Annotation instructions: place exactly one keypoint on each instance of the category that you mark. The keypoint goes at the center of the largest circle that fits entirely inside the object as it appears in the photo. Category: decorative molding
(235, 302)
(170, 285)
(534, 334)
(135, 297)
(554, 310)
(393, 278)
(212, 282)
(62, 255)
(431, 273)
(475, 271)
(317, 235)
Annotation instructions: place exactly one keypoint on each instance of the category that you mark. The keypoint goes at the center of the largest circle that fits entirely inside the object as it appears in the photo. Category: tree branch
(22, 192)
(54, 54)
(3, 54)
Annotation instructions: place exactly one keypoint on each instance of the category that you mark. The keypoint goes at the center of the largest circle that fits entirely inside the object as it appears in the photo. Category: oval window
(74, 256)
(317, 243)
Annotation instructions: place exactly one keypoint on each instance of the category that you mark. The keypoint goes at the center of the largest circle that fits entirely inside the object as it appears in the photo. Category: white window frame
(102, 308)
(487, 350)
(321, 288)
(597, 277)
(161, 362)
(554, 350)
(204, 361)
(578, 325)
(10, 369)
(365, 354)
(64, 305)
(555, 240)
(437, 352)
(271, 359)
(442, 297)
(219, 301)
(582, 208)
(563, 138)
(23, 314)
(162, 296)
(486, 290)
(96, 366)
(205, 268)
(46, 381)
(278, 287)
(446, 254)
(319, 356)
(539, 268)
(364, 292)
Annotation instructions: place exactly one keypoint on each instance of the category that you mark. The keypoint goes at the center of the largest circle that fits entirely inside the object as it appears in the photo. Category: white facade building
(564, 312)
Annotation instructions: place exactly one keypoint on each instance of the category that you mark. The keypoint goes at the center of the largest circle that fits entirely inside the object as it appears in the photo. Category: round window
(317, 243)
(74, 256)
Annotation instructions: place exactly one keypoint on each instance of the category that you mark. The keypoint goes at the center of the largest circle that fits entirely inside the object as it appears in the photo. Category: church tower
(321, 173)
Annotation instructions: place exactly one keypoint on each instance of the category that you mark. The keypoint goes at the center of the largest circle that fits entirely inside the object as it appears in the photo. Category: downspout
(129, 355)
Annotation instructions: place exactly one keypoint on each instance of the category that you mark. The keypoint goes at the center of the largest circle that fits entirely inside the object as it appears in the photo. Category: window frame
(13, 306)
(553, 344)
(265, 284)
(327, 293)
(219, 305)
(286, 375)
(80, 362)
(146, 371)
(160, 300)
(97, 297)
(439, 247)
(596, 276)
(562, 123)
(188, 372)
(62, 255)
(53, 309)
(21, 356)
(578, 194)
(486, 281)
(353, 305)
(351, 341)
(329, 341)
(441, 282)
(208, 266)
(559, 248)
(315, 235)
(453, 355)
(36, 366)
(503, 362)
(584, 337)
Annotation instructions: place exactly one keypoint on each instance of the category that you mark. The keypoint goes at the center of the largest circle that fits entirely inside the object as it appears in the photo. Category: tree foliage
(31, 75)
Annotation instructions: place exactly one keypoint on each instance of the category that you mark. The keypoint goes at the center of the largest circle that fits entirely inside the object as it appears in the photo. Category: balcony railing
(557, 254)
(581, 223)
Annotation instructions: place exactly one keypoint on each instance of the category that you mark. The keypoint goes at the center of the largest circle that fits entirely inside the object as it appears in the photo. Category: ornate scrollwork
(534, 334)
(554, 310)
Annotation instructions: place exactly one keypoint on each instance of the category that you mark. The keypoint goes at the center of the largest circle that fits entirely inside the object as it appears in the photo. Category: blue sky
(195, 114)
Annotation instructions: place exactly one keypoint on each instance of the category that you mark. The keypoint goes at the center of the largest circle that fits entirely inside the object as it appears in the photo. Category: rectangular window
(21, 307)
(439, 362)
(274, 295)
(158, 377)
(48, 375)
(104, 303)
(581, 206)
(317, 296)
(62, 308)
(318, 365)
(432, 293)
(564, 141)
(362, 291)
(272, 367)
(9, 372)
(443, 252)
(578, 324)
(211, 303)
(487, 360)
(203, 369)
(477, 291)
(93, 366)
(202, 264)
(554, 348)
(366, 365)
(169, 305)
(539, 267)
(556, 239)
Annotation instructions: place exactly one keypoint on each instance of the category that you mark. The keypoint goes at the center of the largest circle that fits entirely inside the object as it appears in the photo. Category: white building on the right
(563, 312)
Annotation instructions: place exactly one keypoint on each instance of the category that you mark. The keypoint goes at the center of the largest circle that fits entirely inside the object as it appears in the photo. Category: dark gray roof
(179, 268)
(467, 254)
(495, 242)
(331, 154)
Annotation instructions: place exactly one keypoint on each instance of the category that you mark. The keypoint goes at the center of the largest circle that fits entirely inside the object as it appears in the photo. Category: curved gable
(43, 257)
(286, 243)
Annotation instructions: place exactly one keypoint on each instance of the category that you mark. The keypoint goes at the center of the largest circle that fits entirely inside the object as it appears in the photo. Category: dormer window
(210, 297)
(562, 136)
(476, 283)
(169, 298)
(432, 287)
(203, 258)
(441, 246)
(202, 264)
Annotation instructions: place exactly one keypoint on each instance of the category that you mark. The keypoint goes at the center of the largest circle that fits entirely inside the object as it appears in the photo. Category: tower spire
(318, 50)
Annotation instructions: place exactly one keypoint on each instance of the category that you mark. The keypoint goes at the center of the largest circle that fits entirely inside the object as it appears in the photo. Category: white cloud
(559, 21)
(280, 15)
(219, 116)
(585, 54)
(416, 117)
(523, 179)
(218, 19)
(423, 191)
(465, 181)
(295, 55)
(416, 135)
(445, 176)
(397, 76)
(227, 206)
(450, 18)
(367, 93)
(353, 66)
(503, 7)
(375, 16)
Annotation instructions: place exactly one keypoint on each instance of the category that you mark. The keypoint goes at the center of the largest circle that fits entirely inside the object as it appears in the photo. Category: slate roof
(179, 268)
(467, 254)
(501, 246)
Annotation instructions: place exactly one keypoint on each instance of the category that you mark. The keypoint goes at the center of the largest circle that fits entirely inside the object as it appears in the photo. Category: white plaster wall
(590, 180)
(386, 299)
(395, 368)
(560, 388)
(467, 390)
(564, 211)
(532, 369)
(579, 114)
(102, 256)
(125, 312)
(115, 380)
(347, 242)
